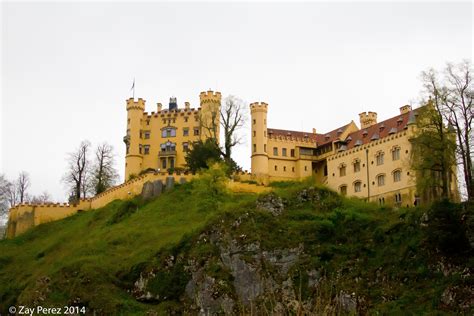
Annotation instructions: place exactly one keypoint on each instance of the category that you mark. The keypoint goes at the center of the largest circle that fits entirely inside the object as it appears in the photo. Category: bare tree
(104, 175)
(22, 186)
(4, 195)
(78, 166)
(232, 118)
(44, 197)
(459, 112)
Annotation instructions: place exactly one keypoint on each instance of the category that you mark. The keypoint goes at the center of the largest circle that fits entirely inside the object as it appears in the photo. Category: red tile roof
(319, 139)
(379, 130)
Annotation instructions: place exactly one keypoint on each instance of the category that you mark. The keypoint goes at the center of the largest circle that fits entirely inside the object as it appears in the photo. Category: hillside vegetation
(298, 250)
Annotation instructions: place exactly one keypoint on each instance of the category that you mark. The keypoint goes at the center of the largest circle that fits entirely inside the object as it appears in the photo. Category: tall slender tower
(210, 102)
(259, 140)
(133, 157)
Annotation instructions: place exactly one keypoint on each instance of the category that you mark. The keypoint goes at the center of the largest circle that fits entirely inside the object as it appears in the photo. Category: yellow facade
(372, 163)
(159, 140)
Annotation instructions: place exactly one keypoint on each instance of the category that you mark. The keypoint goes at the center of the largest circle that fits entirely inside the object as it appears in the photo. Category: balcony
(167, 153)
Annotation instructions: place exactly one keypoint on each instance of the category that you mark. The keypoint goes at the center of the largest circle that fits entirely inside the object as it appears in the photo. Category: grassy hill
(316, 250)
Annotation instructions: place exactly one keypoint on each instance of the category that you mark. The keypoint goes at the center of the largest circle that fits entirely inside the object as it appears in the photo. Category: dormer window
(393, 130)
(326, 137)
(348, 139)
(399, 121)
(381, 127)
(339, 132)
(364, 133)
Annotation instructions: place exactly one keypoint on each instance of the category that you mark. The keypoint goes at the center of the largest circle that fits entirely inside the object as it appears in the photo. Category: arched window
(343, 189)
(356, 164)
(379, 157)
(342, 170)
(397, 175)
(357, 186)
(168, 146)
(381, 180)
(396, 153)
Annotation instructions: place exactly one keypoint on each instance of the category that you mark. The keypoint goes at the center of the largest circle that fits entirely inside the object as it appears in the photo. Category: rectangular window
(292, 152)
(305, 168)
(146, 149)
(185, 131)
(284, 168)
(275, 151)
(283, 152)
(147, 122)
(265, 147)
(254, 133)
(264, 133)
(293, 169)
(171, 163)
(185, 119)
(276, 168)
(147, 135)
(254, 122)
(196, 131)
(254, 147)
(140, 149)
(163, 163)
(185, 147)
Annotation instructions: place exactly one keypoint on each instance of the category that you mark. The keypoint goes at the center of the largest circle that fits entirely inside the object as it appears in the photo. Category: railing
(167, 153)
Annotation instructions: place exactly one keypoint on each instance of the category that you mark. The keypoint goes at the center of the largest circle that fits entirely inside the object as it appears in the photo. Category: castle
(371, 163)
(160, 140)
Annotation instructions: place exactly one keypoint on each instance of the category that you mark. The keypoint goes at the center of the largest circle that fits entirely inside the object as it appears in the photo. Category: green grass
(98, 255)
(85, 255)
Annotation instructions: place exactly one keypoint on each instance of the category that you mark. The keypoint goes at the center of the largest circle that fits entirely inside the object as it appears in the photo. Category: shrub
(211, 186)
(445, 230)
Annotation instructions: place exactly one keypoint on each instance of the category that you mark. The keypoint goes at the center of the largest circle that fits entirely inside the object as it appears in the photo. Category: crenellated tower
(133, 157)
(210, 103)
(259, 155)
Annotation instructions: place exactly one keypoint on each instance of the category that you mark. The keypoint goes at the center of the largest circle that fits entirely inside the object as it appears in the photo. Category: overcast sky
(67, 69)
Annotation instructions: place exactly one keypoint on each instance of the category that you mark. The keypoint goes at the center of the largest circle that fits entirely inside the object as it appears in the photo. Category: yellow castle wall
(140, 124)
(24, 216)
(387, 191)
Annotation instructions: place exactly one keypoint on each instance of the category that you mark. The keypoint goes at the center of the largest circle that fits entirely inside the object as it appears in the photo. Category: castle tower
(210, 102)
(133, 157)
(367, 119)
(259, 149)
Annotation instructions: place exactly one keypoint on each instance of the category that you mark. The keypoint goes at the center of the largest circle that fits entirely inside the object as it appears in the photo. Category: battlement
(138, 105)
(210, 96)
(258, 107)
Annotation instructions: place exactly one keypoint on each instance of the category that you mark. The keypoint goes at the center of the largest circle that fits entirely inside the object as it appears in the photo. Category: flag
(133, 85)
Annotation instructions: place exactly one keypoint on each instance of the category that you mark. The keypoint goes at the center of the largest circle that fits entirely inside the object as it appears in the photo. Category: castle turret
(367, 119)
(210, 102)
(259, 156)
(133, 157)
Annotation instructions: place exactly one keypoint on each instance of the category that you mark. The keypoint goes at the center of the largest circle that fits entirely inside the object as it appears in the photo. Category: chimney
(405, 109)
(159, 106)
(314, 131)
(367, 119)
(187, 106)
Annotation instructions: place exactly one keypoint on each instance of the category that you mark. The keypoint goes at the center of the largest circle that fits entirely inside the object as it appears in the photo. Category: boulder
(169, 182)
(147, 190)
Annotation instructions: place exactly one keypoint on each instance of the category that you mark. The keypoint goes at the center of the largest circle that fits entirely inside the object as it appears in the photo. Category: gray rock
(169, 183)
(157, 188)
(182, 180)
(147, 190)
(271, 203)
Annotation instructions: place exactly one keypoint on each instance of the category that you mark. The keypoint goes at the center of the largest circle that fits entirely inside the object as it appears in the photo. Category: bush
(211, 186)
(445, 230)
